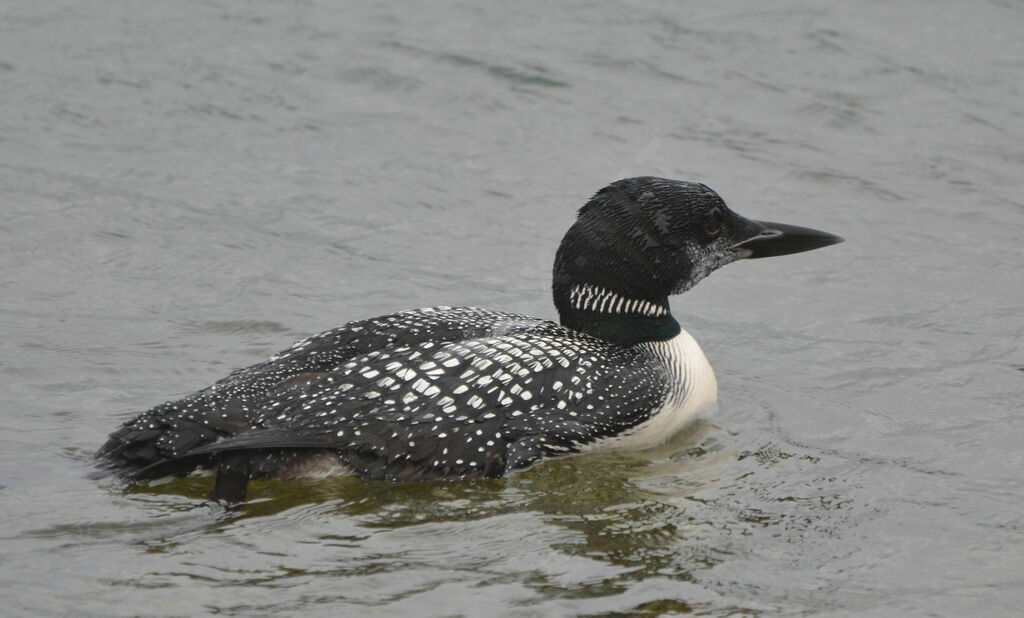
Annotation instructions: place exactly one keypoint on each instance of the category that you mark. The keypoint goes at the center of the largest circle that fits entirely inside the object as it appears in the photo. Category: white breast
(695, 391)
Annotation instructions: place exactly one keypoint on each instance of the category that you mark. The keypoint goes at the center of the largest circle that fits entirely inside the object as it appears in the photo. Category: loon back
(462, 393)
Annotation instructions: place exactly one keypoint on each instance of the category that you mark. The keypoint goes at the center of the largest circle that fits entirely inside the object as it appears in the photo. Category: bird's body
(462, 393)
(454, 392)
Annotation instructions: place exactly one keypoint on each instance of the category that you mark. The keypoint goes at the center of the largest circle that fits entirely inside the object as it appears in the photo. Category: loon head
(640, 240)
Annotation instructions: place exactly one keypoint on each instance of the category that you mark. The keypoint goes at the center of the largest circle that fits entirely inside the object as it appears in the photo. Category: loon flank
(466, 393)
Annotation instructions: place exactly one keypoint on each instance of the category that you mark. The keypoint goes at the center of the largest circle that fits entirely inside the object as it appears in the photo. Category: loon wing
(232, 405)
(476, 408)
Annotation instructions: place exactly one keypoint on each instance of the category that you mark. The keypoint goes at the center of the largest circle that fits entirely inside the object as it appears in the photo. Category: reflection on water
(583, 527)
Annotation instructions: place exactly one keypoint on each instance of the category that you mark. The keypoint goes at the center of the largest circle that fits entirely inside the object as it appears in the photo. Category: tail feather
(259, 441)
(167, 432)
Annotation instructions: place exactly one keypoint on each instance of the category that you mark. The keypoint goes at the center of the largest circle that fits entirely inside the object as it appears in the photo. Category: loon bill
(467, 393)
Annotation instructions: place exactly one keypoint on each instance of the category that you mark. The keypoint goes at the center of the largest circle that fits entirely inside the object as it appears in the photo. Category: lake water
(189, 187)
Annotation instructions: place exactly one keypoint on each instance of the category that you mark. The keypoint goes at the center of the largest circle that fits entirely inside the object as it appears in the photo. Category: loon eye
(713, 225)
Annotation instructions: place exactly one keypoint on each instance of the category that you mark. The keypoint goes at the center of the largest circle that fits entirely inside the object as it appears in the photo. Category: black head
(648, 238)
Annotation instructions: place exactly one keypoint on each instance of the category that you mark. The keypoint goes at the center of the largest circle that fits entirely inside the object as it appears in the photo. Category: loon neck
(613, 316)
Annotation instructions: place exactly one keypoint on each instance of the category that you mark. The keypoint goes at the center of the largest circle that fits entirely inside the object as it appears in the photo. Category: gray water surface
(189, 187)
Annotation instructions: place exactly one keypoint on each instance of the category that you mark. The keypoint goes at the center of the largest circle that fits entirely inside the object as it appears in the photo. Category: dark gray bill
(783, 239)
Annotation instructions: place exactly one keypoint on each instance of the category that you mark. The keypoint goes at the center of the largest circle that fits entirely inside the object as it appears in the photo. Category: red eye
(713, 223)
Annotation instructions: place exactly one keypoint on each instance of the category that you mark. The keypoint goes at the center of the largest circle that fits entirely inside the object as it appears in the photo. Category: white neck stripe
(601, 300)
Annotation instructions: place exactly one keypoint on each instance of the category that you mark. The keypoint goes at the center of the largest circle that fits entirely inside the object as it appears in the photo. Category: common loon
(467, 393)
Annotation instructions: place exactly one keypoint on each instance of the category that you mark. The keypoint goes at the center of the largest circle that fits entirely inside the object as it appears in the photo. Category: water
(186, 188)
